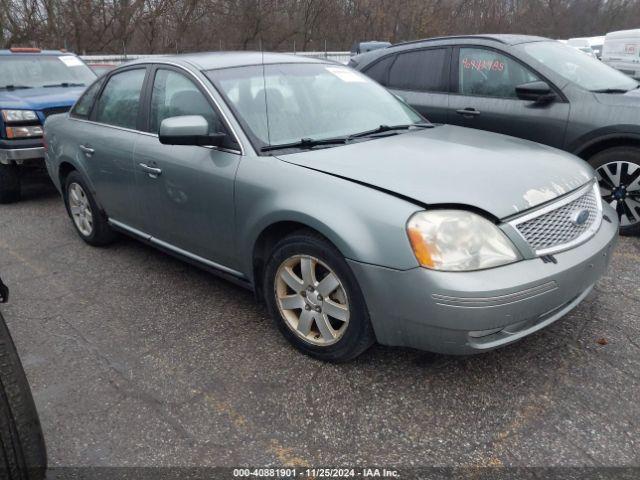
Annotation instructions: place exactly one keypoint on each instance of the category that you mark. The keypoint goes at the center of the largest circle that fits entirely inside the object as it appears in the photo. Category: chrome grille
(555, 227)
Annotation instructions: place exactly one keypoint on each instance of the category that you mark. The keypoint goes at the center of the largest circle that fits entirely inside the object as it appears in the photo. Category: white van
(622, 51)
(588, 45)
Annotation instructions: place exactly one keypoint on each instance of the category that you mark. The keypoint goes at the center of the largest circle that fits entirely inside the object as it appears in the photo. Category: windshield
(583, 70)
(308, 101)
(31, 70)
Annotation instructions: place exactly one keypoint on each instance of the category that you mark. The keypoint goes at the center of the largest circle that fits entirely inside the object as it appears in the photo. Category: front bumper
(20, 155)
(471, 312)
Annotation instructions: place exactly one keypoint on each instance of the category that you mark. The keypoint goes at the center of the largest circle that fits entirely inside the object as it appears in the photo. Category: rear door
(188, 204)
(420, 77)
(108, 140)
(484, 97)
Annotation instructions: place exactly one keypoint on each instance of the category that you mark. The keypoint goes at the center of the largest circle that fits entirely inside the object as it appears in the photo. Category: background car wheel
(315, 299)
(89, 221)
(9, 183)
(618, 172)
(22, 450)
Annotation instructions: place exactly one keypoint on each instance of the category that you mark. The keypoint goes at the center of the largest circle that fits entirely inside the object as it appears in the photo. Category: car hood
(454, 165)
(39, 98)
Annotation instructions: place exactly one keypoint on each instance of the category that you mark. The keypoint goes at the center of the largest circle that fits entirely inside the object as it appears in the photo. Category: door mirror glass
(189, 130)
(538, 92)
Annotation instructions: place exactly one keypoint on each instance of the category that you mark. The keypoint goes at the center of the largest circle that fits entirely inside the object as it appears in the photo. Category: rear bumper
(20, 155)
(472, 312)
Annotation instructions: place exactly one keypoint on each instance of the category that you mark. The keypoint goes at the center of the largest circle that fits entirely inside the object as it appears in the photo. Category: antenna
(264, 89)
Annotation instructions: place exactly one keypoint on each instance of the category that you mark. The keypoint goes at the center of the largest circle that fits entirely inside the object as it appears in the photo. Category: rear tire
(9, 183)
(618, 170)
(325, 335)
(22, 450)
(88, 219)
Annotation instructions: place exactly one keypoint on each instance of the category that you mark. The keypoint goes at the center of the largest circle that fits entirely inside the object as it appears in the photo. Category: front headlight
(24, 132)
(457, 240)
(19, 115)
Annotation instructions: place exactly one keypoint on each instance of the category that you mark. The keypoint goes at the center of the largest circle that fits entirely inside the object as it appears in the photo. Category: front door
(186, 191)
(485, 98)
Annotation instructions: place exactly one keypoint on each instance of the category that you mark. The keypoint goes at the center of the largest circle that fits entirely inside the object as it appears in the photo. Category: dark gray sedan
(349, 215)
(528, 87)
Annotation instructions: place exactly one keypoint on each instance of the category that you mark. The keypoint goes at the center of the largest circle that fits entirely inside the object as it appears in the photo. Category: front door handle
(153, 172)
(468, 112)
(88, 151)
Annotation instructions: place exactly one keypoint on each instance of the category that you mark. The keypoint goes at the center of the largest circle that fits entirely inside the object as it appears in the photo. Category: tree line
(170, 26)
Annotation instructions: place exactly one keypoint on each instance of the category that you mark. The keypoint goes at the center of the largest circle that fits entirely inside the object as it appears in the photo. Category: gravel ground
(136, 358)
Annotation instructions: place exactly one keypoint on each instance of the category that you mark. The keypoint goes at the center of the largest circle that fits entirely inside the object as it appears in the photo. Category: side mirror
(539, 92)
(189, 130)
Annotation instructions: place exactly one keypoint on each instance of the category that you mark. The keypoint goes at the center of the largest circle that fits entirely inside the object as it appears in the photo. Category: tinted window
(488, 73)
(422, 70)
(118, 105)
(175, 95)
(83, 106)
(379, 71)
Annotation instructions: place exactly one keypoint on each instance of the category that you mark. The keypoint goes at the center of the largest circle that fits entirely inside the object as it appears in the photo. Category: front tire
(22, 450)
(88, 219)
(618, 171)
(315, 300)
(9, 183)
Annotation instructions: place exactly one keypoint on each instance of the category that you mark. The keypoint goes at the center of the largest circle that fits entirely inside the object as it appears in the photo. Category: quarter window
(175, 95)
(487, 73)
(379, 71)
(120, 100)
(420, 70)
(82, 108)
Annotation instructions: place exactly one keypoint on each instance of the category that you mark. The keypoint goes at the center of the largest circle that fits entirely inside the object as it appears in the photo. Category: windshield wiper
(611, 90)
(305, 143)
(387, 128)
(64, 84)
(14, 87)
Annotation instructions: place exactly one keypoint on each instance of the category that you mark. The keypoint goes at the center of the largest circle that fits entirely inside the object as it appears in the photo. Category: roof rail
(450, 37)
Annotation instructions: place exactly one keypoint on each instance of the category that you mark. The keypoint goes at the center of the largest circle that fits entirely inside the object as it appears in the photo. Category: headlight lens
(457, 240)
(24, 132)
(19, 115)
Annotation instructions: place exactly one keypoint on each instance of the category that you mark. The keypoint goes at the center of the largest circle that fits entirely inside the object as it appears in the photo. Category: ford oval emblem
(580, 217)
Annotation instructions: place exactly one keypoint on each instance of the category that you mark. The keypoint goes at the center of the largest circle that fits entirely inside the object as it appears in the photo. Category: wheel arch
(604, 142)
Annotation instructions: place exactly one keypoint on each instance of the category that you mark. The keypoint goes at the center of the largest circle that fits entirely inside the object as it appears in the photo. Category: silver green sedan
(354, 219)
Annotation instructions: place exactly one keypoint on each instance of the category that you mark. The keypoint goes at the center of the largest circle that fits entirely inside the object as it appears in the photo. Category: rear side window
(379, 71)
(420, 70)
(120, 100)
(487, 73)
(83, 106)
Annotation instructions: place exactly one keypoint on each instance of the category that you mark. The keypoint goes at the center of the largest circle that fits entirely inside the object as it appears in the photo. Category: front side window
(487, 73)
(583, 70)
(420, 70)
(283, 103)
(83, 106)
(120, 100)
(31, 70)
(175, 95)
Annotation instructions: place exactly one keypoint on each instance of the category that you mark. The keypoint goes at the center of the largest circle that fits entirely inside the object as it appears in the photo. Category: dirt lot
(136, 358)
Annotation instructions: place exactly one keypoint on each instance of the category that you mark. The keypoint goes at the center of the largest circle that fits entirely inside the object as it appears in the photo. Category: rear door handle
(468, 112)
(88, 151)
(153, 172)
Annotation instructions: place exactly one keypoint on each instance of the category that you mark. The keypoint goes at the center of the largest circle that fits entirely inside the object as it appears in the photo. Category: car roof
(215, 60)
(505, 38)
(41, 52)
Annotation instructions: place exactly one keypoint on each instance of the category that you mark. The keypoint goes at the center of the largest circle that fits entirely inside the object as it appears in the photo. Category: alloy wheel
(620, 187)
(312, 300)
(80, 209)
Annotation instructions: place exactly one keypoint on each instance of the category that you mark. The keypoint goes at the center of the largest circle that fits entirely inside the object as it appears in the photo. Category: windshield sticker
(345, 74)
(71, 61)
(494, 65)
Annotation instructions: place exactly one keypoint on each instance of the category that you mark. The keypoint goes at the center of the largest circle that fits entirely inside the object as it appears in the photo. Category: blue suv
(34, 84)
